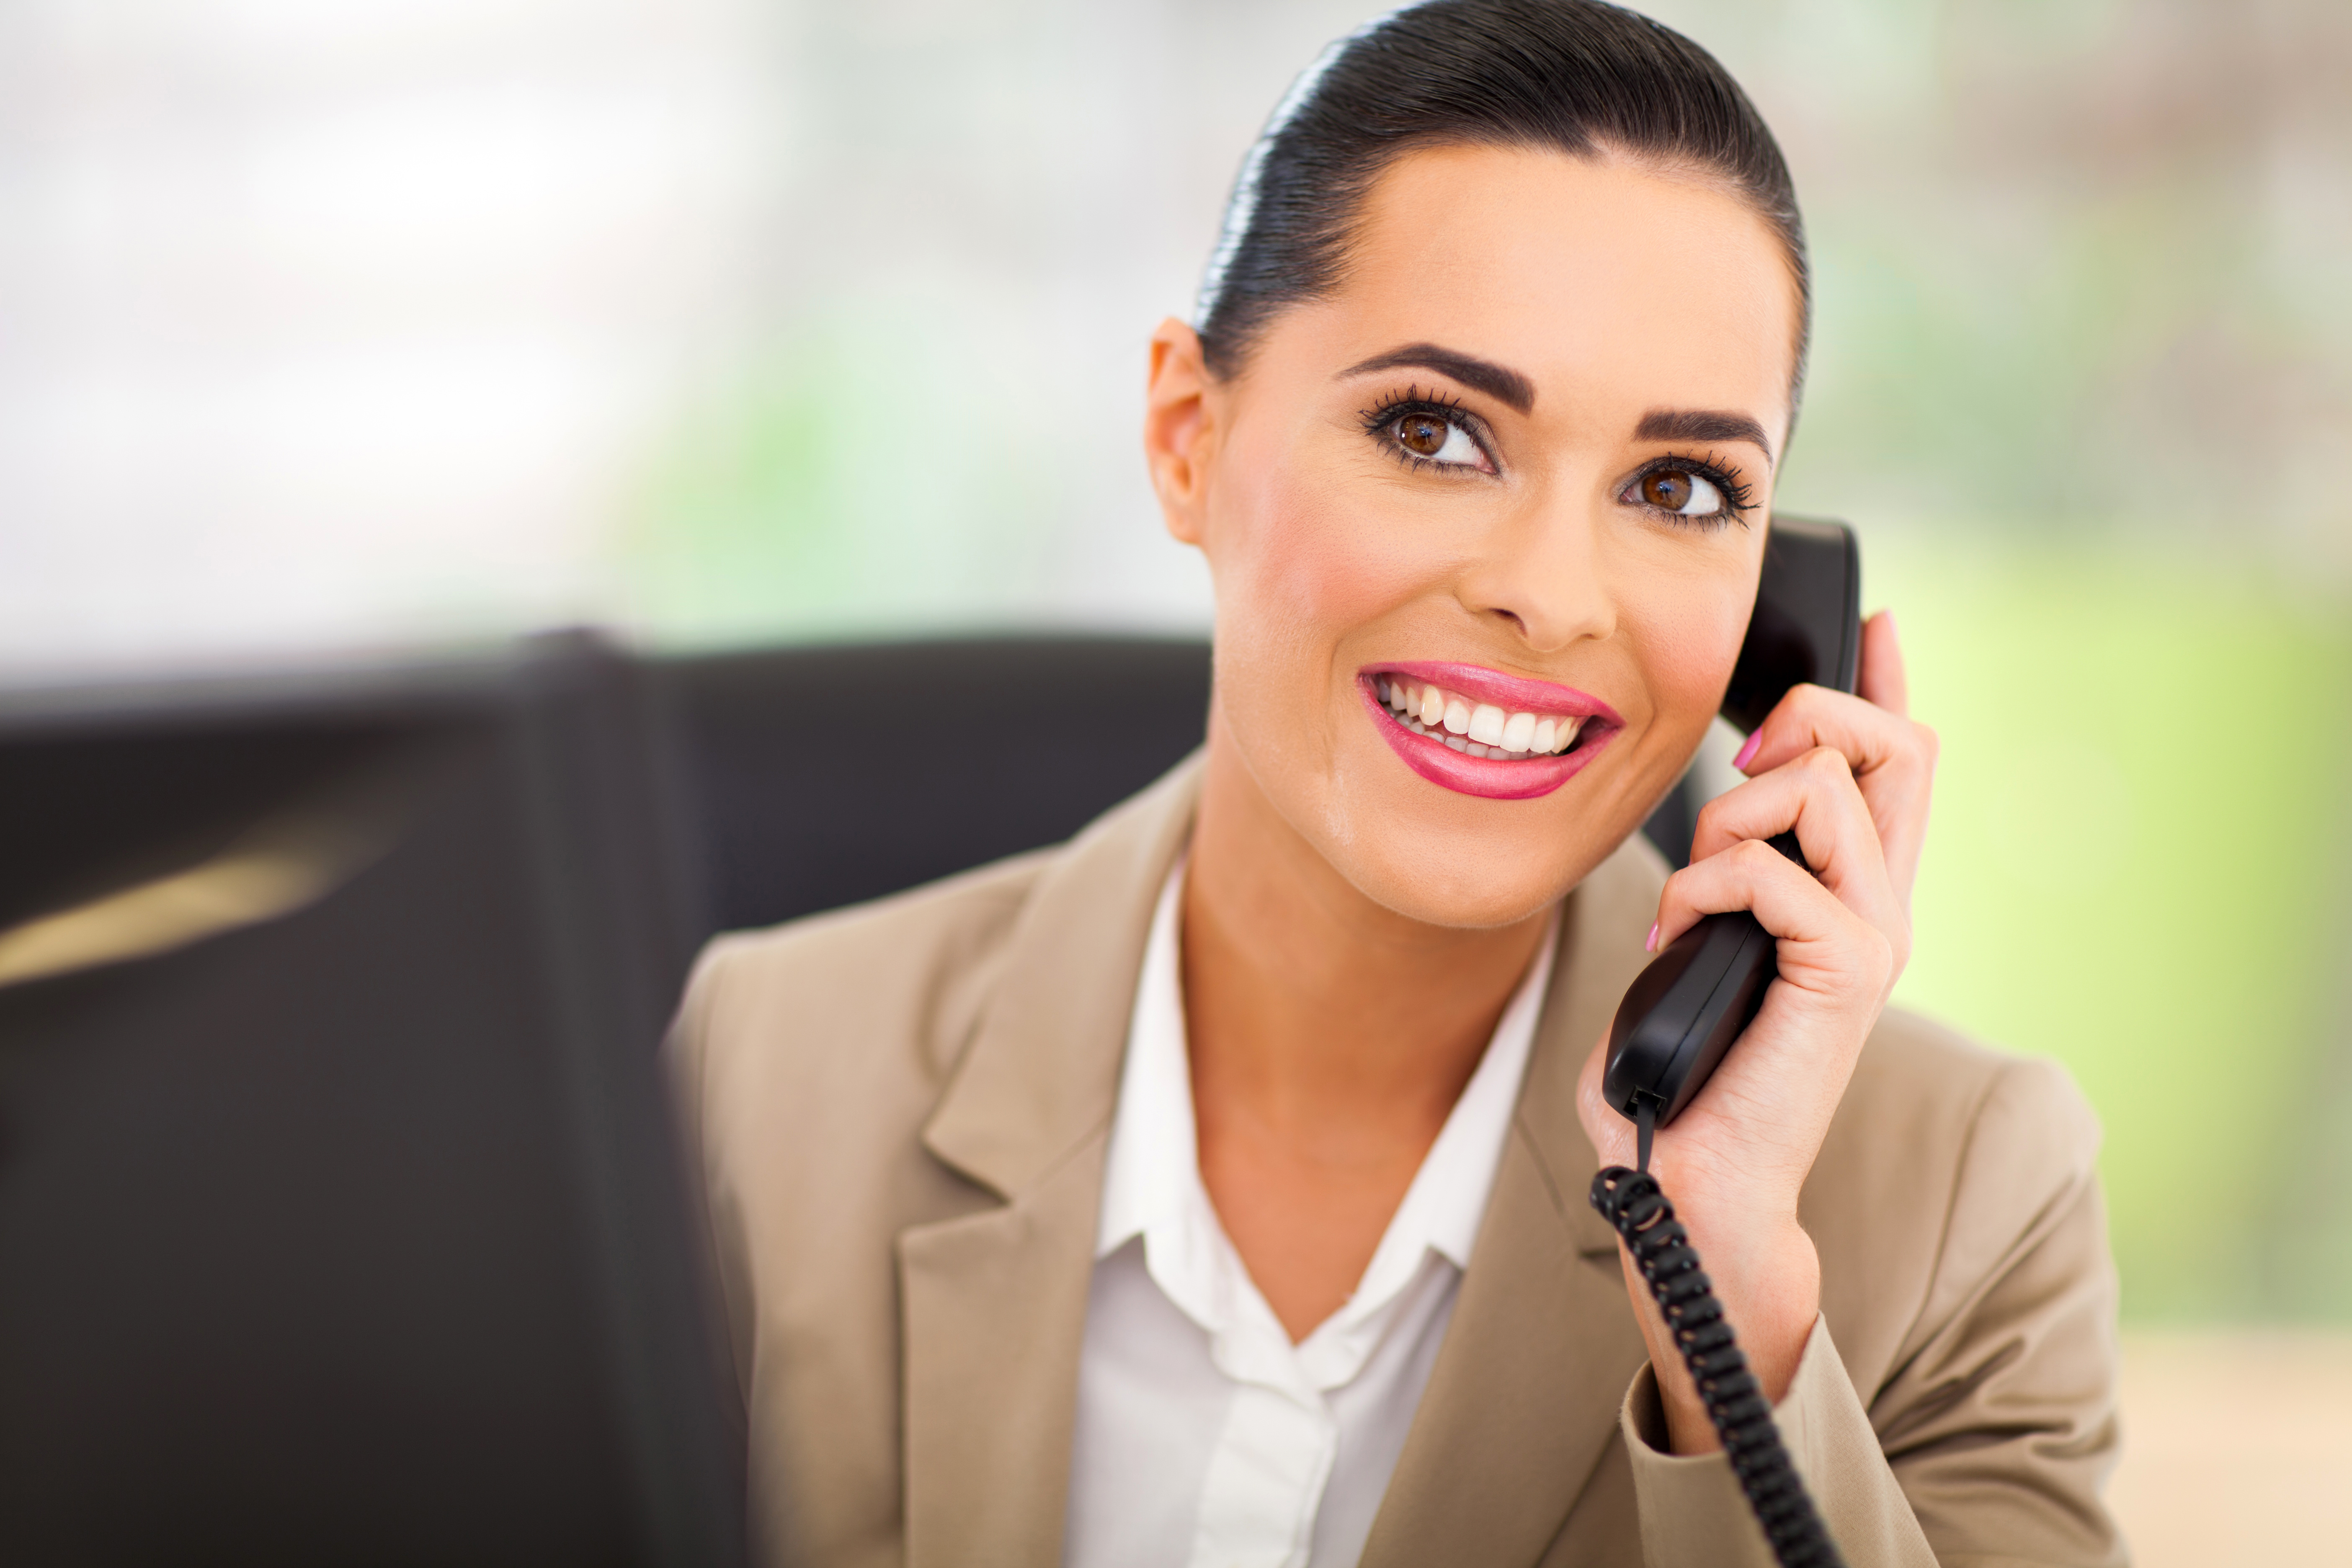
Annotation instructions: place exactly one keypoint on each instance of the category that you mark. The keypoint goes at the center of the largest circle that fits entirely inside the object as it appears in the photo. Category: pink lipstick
(1478, 731)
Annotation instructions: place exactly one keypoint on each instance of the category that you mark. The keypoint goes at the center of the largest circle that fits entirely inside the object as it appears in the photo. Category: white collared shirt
(1204, 1438)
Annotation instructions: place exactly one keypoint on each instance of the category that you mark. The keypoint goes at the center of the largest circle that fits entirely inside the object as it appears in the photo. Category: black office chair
(813, 777)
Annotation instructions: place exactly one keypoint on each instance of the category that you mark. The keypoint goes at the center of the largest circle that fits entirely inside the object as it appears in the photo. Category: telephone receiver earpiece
(1684, 1010)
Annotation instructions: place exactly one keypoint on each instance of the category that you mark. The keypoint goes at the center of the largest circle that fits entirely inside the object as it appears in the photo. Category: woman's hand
(1851, 777)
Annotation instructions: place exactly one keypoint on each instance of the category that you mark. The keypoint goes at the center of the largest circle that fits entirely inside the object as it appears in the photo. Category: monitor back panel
(344, 1226)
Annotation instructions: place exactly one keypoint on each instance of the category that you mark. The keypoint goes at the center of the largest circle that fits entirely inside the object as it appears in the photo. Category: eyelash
(1381, 417)
(1739, 496)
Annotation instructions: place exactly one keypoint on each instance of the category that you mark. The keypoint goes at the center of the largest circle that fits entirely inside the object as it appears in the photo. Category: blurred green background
(729, 320)
(2085, 378)
(2138, 867)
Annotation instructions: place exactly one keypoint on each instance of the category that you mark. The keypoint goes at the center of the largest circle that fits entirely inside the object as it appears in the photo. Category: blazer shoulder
(1945, 1158)
(1921, 1077)
(895, 983)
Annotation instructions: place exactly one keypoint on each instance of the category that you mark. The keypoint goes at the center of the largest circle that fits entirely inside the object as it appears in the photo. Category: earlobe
(1177, 428)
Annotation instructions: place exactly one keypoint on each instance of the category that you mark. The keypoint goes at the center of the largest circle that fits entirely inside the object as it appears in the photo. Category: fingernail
(1652, 943)
(1746, 751)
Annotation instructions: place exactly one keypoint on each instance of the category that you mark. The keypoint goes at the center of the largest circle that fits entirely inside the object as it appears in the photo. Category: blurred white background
(394, 321)
(347, 323)
(390, 321)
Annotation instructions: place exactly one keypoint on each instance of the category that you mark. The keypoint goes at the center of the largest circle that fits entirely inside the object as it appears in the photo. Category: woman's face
(1514, 475)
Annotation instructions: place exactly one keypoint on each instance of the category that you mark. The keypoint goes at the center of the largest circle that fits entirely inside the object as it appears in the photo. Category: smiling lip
(1491, 778)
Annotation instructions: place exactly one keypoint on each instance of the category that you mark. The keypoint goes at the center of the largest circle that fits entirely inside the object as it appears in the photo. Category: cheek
(1689, 641)
(1298, 566)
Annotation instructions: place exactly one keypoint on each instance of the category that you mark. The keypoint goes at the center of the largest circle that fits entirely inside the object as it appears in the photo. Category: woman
(1212, 1189)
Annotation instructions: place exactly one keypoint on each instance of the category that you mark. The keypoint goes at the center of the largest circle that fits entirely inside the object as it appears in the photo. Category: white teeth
(1477, 730)
(1380, 690)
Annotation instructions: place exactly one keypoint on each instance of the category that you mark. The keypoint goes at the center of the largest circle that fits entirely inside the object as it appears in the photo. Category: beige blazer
(902, 1111)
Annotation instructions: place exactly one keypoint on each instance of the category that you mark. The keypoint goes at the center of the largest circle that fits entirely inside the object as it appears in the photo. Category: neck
(1313, 1012)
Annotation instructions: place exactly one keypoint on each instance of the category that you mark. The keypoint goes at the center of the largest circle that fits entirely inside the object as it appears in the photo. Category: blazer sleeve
(1988, 1444)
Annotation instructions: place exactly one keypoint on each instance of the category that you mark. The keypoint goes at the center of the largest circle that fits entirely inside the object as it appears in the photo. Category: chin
(1437, 856)
(1457, 897)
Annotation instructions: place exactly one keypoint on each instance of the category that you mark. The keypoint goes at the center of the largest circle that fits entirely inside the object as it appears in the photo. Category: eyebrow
(1504, 386)
(1701, 424)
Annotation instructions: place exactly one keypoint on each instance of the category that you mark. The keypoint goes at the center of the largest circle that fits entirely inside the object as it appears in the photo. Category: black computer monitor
(339, 1216)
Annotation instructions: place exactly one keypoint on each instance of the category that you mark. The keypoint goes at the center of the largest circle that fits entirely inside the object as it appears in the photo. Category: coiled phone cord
(1634, 1203)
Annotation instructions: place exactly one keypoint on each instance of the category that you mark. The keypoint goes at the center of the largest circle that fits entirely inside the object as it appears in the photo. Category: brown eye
(1431, 438)
(1682, 494)
(1666, 490)
(1422, 435)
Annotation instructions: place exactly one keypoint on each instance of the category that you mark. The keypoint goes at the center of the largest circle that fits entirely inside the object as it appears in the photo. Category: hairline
(1354, 196)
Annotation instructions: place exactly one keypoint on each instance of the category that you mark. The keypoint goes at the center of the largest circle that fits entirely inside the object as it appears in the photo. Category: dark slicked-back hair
(1575, 76)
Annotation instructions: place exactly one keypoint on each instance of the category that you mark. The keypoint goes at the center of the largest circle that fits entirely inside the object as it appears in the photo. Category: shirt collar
(1151, 1174)
(1448, 1196)
(1153, 1162)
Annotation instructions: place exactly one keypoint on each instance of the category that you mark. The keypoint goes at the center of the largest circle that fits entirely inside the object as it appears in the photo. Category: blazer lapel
(994, 1302)
(1522, 1404)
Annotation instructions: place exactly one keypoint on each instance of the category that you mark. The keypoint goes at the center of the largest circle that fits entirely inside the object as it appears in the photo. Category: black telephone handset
(1685, 1009)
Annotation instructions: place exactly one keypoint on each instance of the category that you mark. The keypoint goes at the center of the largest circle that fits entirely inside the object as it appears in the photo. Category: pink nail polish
(1652, 943)
(1748, 752)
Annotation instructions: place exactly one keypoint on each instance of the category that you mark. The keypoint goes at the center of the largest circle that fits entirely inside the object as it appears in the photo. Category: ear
(1179, 435)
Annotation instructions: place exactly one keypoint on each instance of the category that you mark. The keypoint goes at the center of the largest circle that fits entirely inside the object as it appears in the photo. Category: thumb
(1611, 1134)
(1883, 681)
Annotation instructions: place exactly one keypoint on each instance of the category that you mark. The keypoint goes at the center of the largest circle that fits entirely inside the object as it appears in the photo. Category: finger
(1611, 1134)
(1816, 797)
(1871, 737)
(1824, 947)
(1786, 900)
(1883, 684)
(1893, 760)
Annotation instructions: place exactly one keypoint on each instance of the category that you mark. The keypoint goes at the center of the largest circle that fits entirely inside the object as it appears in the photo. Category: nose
(1542, 570)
